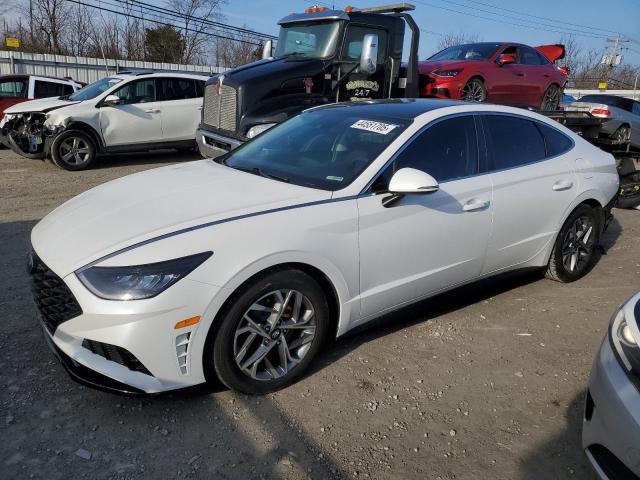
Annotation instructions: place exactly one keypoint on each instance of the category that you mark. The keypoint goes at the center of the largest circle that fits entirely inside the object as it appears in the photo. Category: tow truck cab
(322, 56)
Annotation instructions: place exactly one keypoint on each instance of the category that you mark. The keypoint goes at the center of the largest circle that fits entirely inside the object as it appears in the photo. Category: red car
(20, 88)
(504, 73)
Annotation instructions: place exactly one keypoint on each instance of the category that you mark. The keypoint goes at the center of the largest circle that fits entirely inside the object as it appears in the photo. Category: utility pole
(613, 58)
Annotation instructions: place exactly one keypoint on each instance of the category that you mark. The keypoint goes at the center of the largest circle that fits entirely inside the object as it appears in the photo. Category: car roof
(148, 74)
(402, 108)
(28, 75)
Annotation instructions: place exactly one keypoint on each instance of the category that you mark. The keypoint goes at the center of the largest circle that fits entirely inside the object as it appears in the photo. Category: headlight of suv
(139, 281)
(258, 129)
(623, 334)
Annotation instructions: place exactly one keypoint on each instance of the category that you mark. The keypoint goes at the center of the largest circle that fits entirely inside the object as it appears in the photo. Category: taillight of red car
(601, 112)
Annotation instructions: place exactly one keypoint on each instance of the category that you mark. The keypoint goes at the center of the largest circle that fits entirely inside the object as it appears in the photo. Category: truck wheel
(271, 332)
(629, 194)
(73, 150)
(474, 91)
(574, 253)
(551, 99)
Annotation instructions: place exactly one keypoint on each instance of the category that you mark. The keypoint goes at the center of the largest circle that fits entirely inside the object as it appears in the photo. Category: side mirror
(266, 49)
(411, 180)
(506, 59)
(111, 101)
(369, 54)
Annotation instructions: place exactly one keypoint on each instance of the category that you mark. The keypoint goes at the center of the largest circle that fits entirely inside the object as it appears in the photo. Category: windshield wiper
(261, 173)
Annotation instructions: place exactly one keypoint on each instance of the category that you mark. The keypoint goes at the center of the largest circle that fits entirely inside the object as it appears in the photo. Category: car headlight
(258, 129)
(447, 73)
(139, 281)
(623, 334)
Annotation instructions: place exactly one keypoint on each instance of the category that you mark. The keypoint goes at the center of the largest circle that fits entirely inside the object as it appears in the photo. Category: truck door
(357, 85)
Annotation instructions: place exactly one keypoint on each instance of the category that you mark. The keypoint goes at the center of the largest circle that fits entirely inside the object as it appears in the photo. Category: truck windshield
(326, 148)
(310, 40)
(93, 90)
(472, 51)
(13, 88)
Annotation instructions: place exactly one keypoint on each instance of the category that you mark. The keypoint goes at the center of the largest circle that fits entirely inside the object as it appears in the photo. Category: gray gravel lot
(484, 382)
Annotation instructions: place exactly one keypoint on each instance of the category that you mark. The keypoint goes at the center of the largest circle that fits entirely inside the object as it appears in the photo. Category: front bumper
(611, 427)
(212, 144)
(129, 347)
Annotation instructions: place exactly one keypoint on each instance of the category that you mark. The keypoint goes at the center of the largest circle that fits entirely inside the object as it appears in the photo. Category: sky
(522, 23)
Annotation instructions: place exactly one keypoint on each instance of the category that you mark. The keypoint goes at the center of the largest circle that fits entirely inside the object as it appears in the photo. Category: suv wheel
(73, 150)
(551, 99)
(271, 332)
(474, 91)
(575, 251)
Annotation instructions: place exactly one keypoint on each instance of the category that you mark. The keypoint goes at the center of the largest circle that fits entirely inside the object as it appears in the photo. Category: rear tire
(551, 99)
(73, 150)
(474, 91)
(629, 194)
(622, 136)
(281, 319)
(575, 251)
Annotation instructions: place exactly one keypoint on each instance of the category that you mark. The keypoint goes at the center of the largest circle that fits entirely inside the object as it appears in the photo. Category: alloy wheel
(578, 244)
(274, 335)
(473, 92)
(74, 151)
(551, 99)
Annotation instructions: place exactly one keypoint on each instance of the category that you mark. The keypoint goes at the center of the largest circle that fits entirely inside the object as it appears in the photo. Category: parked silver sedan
(611, 427)
(622, 116)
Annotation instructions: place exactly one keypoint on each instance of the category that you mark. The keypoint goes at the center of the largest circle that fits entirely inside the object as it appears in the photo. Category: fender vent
(182, 352)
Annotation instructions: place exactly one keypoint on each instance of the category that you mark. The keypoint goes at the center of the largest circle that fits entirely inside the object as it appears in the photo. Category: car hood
(146, 205)
(39, 105)
(428, 66)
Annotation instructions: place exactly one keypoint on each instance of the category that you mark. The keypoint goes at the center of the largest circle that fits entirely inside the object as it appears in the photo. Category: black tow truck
(322, 56)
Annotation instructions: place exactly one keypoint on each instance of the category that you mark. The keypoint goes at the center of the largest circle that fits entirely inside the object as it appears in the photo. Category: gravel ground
(487, 381)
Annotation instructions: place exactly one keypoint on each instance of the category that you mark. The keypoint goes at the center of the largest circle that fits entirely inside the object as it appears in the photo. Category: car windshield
(310, 40)
(472, 51)
(95, 89)
(326, 148)
(13, 88)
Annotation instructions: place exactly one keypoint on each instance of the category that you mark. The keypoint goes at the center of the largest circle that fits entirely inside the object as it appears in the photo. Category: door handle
(546, 75)
(152, 110)
(475, 204)
(562, 185)
(200, 107)
(519, 74)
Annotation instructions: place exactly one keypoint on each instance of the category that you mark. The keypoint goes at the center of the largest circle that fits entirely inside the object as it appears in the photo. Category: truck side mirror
(369, 54)
(266, 49)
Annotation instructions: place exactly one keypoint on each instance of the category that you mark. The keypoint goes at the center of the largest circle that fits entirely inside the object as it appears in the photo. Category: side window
(199, 88)
(557, 143)
(67, 89)
(176, 89)
(353, 43)
(138, 91)
(44, 89)
(446, 150)
(513, 141)
(529, 56)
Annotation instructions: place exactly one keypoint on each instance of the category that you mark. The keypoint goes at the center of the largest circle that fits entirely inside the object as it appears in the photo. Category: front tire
(575, 251)
(73, 150)
(271, 332)
(474, 91)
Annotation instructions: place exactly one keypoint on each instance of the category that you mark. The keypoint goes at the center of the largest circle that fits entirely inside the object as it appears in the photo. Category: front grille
(219, 111)
(52, 297)
(116, 354)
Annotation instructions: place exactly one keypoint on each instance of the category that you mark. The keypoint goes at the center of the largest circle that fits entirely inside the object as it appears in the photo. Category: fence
(85, 69)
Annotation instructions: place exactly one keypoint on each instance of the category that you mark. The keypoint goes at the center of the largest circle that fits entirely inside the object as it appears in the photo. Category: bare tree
(452, 39)
(50, 20)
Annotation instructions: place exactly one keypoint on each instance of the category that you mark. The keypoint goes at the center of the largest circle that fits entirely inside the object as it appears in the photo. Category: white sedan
(241, 268)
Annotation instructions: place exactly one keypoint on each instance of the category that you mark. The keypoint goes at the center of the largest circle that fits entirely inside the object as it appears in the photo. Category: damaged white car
(121, 113)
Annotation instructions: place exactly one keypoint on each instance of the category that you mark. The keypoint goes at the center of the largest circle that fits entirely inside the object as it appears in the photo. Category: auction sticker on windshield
(371, 126)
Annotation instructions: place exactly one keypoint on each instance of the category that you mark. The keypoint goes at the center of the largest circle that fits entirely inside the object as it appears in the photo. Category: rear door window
(556, 142)
(176, 89)
(512, 141)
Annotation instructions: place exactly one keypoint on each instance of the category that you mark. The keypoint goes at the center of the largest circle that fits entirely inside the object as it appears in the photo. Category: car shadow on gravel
(561, 456)
(146, 158)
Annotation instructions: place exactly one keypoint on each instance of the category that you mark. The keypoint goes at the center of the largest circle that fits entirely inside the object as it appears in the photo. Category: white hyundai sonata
(241, 268)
